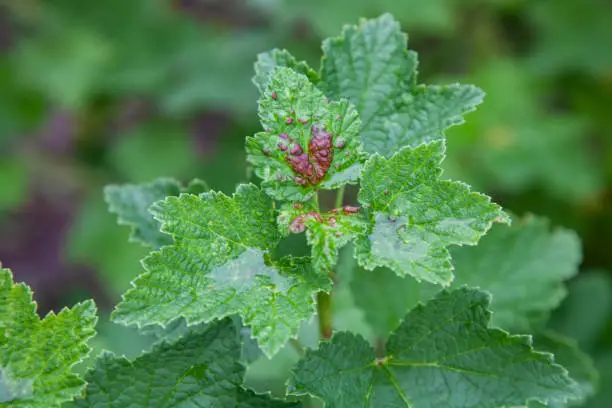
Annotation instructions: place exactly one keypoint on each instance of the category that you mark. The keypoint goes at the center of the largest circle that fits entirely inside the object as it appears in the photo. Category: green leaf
(201, 369)
(309, 142)
(423, 117)
(326, 233)
(443, 354)
(220, 265)
(416, 215)
(579, 364)
(131, 203)
(523, 267)
(385, 298)
(586, 312)
(267, 61)
(370, 65)
(37, 356)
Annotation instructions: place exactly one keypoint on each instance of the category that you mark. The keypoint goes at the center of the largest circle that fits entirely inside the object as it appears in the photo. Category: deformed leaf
(37, 356)
(131, 203)
(442, 355)
(309, 142)
(220, 265)
(267, 61)
(416, 215)
(523, 266)
(326, 233)
(370, 65)
(200, 369)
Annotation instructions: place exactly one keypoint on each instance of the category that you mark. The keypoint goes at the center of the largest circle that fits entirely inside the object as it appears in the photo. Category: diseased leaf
(131, 203)
(326, 233)
(309, 142)
(37, 356)
(201, 369)
(443, 354)
(267, 61)
(416, 215)
(523, 267)
(220, 265)
(370, 65)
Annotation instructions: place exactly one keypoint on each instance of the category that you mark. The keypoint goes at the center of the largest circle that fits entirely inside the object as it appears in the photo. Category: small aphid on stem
(274, 96)
(289, 120)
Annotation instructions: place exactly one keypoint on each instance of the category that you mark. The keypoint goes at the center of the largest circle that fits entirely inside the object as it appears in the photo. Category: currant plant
(221, 289)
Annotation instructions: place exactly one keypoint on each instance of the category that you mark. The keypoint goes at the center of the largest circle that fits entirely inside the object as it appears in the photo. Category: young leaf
(416, 215)
(309, 142)
(131, 203)
(523, 267)
(267, 61)
(326, 233)
(37, 356)
(220, 265)
(369, 65)
(424, 116)
(443, 354)
(201, 369)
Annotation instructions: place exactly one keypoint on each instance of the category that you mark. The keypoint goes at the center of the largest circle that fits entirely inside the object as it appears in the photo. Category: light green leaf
(523, 267)
(442, 355)
(424, 116)
(267, 61)
(416, 215)
(309, 142)
(37, 356)
(201, 369)
(131, 203)
(326, 233)
(370, 65)
(219, 265)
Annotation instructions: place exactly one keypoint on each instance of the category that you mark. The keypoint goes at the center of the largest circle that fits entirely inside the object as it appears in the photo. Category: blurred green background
(116, 91)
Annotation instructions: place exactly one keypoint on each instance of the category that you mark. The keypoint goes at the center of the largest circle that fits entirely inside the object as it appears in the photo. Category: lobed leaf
(131, 204)
(200, 369)
(326, 233)
(579, 365)
(370, 65)
(443, 354)
(523, 266)
(220, 265)
(309, 142)
(37, 356)
(416, 215)
(268, 61)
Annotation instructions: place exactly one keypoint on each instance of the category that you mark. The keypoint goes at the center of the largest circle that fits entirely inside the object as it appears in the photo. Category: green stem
(340, 197)
(324, 310)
